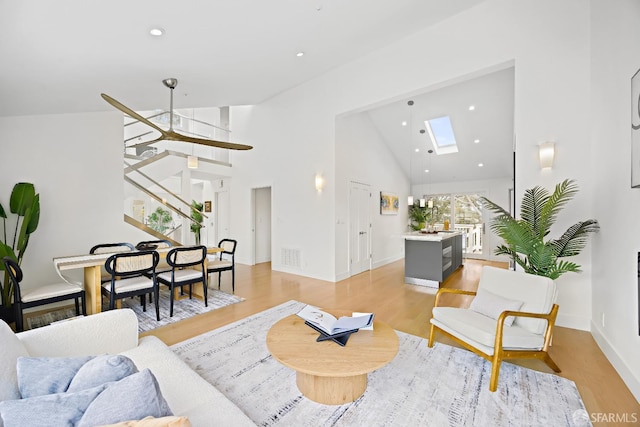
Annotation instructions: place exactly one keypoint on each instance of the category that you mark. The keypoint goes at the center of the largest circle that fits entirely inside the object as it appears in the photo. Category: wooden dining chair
(182, 260)
(110, 248)
(156, 244)
(224, 261)
(40, 295)
(132, 274)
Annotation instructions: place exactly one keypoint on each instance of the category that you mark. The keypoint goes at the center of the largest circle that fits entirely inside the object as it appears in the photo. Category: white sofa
(116, 332)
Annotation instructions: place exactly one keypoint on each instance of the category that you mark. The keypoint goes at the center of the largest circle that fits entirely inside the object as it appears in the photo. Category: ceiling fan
(170, 134)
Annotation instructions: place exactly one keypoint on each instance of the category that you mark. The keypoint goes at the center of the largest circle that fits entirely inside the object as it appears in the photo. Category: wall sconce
(319, 182)
(192, 162)
(410, 200)
(547, 153)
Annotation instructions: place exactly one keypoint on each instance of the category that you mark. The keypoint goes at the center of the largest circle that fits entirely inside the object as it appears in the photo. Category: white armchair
(511, 316)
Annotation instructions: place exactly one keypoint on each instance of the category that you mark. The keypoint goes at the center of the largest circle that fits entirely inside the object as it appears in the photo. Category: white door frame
(359, 228)
(253, 207)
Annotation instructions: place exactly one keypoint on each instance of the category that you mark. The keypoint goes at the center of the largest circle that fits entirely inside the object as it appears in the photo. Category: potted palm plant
(524, 238)
(25, 203)
(196, 216)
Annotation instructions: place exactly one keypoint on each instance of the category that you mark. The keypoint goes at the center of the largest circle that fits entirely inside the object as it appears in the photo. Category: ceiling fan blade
(174, 136)
(146, 143)
(131, 113)
(171, 135)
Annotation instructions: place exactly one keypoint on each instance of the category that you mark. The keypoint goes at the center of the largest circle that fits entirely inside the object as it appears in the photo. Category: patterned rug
(422, 386)
(182, 309)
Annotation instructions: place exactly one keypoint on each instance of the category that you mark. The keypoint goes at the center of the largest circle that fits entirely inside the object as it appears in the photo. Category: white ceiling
(58, 56)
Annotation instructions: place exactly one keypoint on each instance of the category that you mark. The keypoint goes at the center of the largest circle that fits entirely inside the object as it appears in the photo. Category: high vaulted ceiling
(58, 56)
(484, 135)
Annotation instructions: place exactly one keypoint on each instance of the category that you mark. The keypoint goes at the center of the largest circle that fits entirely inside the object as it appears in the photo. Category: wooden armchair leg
(550, 363)
(432, 335)
(495, 372)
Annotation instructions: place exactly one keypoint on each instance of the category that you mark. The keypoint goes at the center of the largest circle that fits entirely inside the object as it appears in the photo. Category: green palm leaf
(524, 238)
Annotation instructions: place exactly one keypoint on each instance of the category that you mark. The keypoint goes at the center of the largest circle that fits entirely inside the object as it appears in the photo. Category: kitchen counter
(430, 258)
(432, 237)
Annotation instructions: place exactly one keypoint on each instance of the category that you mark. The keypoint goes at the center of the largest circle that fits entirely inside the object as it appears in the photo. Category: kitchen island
(430, 258)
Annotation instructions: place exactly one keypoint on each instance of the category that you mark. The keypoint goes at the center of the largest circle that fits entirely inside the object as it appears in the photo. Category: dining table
(92, 264)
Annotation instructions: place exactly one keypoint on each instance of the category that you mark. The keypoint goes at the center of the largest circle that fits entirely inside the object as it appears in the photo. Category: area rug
(182, 309)
(422, 386)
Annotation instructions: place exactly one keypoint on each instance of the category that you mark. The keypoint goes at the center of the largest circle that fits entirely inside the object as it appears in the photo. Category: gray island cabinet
(430, 258)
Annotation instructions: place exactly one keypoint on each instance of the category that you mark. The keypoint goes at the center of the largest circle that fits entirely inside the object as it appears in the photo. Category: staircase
(158, 185)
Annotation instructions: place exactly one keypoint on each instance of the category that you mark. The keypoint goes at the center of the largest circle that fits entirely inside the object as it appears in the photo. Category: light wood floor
(407, 308)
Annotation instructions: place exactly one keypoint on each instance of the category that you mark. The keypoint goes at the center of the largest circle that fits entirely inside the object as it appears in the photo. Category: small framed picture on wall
(389, 203)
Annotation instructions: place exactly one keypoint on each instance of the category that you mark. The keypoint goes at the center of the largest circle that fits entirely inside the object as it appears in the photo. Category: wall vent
(290, 257)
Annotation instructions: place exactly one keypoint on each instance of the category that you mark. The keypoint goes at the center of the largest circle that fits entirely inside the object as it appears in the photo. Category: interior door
(359, 228)
(262, 218)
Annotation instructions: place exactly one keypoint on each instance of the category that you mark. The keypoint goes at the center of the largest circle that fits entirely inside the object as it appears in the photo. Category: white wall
(615, 58)
(75, 163)
(362, 156)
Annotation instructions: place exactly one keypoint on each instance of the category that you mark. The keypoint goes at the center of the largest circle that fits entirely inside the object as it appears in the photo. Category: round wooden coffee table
(325, 371)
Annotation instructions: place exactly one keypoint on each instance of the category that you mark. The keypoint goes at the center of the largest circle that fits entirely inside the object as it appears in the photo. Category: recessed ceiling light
(480, 165)
(472, 107)
(476, 141)
(426, 170)
(299, 54)
(404, 123)
(417, 150)
(157, 32)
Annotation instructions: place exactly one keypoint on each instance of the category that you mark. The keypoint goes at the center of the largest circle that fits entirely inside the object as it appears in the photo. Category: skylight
(441, 134)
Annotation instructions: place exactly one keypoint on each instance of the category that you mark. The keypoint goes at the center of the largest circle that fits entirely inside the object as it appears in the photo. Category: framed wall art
(389, 203)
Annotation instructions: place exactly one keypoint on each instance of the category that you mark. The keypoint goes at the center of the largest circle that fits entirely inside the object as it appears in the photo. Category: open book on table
(332, 326)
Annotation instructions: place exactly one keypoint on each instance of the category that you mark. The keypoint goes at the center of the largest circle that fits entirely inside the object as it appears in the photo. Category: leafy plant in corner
(524, 239)
(196, 216)
(25, 203)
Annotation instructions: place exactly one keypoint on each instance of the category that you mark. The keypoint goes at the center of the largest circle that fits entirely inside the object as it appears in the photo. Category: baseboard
(376, 264)
(298, 272)
(618, 363)
(385, 261)
(342, 276)
(573, 322)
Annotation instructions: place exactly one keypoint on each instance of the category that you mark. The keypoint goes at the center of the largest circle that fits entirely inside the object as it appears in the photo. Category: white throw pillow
(492, 305)
(12, 348)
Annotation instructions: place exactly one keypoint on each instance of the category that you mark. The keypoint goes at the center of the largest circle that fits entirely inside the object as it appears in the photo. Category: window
(464, 214)
(441, 134)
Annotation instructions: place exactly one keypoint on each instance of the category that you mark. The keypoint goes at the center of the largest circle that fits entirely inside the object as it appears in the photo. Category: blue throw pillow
(132, 398)
(38, 376)
(100, 370)
(59, 409)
